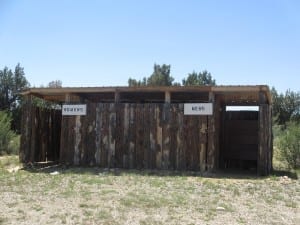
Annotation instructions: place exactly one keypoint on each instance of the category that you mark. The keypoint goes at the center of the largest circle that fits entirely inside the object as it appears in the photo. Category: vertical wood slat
(126, 121)
(146, 131)
(104, 135)
(181, 161)
(98, 129)
(264, 161)
(203, 142)
(112, 135)
(55, 131)
(158, 137)
(217, 116)
(78, 147)
(24, 152)
(66, 156)
(270, 142)
(91, 135)
(139, 134)
(211, 149)
(33, 135)
(37, 134)
(173, 136)
(132, 136)
(119, 136)
(166, 136)
(127, 135)
(152, 137)
(88, 136)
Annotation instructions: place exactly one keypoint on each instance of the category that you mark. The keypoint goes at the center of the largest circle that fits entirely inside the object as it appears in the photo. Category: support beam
(117, 97)
(67, 98)
(167, 97)
(211, 150)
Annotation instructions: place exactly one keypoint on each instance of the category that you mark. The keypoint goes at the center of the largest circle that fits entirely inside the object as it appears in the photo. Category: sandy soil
(97, 196)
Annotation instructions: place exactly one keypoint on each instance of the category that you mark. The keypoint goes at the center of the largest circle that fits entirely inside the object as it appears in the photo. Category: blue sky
(103, 43)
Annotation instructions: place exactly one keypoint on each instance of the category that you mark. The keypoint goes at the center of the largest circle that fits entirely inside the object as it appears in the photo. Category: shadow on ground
(53, 167)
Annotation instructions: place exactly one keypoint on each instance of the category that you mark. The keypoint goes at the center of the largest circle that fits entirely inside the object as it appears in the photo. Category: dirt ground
(100, 196)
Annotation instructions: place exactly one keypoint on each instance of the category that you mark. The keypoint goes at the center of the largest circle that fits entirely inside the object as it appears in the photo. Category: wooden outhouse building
(178, 128)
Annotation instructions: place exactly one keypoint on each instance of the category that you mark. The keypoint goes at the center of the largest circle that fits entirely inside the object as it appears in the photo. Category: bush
(288, 143)
(6, 134)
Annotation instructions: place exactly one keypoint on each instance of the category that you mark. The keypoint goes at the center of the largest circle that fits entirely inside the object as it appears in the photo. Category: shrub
(6, 134)
(289, 144)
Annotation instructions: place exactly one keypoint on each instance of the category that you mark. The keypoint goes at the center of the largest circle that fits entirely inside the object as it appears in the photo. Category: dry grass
(95, 196)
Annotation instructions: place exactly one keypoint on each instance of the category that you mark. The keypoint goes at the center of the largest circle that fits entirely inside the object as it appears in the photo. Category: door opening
(240, 138)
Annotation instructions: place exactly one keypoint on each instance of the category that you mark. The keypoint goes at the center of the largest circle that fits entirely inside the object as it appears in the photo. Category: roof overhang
(250, 93)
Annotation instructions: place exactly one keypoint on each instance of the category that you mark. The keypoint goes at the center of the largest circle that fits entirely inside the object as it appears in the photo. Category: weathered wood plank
(126, 121)
(139, 134)
(104, 135)
(88, 135)
(146, 132)
(158, 137)
(112, 135)
(166, 136)
(270, 140)
(98, 133)
(119, 135)
(153, 134)
(211, 150)
(26, 132)
(264, 161)
(55, 130)
(180, 151)
(173, 136)
(132, 136)
(203, 142)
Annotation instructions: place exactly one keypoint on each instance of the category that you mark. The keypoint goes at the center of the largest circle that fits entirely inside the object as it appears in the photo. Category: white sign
(198, 109)
(74, 110)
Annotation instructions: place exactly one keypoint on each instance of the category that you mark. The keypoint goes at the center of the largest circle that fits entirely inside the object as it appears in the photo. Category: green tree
(288, 143)
(6, 134)
(11, 84)
(198, 79)
(161, 76)
(136, 83)
(55, 84)
(286, 107)
(38, 102)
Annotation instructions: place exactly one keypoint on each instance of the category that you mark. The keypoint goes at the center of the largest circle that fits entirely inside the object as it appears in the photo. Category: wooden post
(264, 147)
(67, 98)
(203, 142)
(167, 97)
(217, 110)
(24, 152)
(65, 142)
(158, 118)
(211, 150)
(111, 135)
(166, 136)
(270, 144)
(117, 97)
(98, 127)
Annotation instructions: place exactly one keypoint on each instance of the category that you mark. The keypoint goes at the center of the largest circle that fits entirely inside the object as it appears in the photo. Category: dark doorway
(240, 139)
